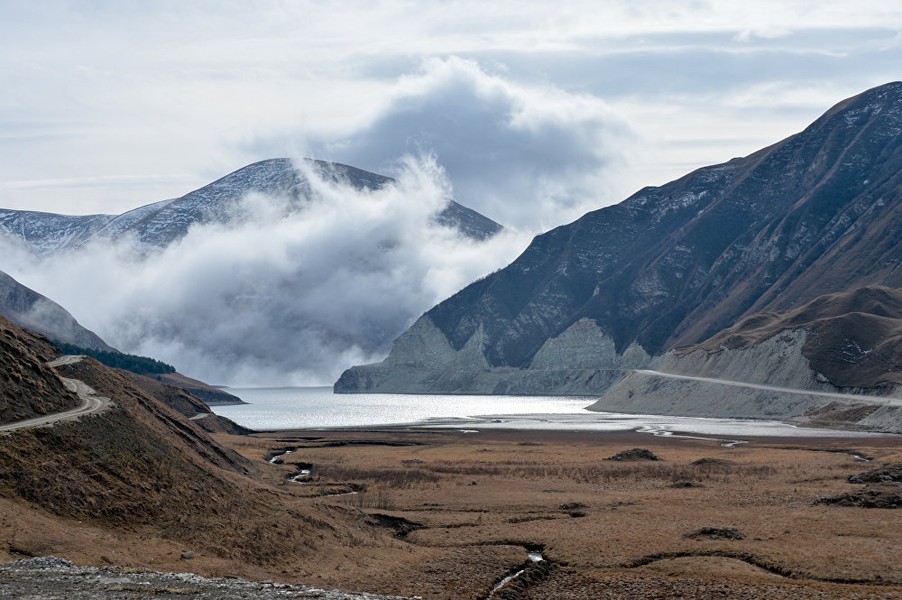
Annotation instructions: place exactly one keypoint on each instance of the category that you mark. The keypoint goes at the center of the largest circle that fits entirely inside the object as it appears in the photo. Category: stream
(534, 557)
(277, 458)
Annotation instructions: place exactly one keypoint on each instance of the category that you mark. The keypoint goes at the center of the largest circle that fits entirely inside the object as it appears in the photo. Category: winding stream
(534, 557)
(277, 458)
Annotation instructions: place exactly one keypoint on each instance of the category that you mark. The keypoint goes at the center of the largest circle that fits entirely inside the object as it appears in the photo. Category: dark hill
(27, 308)
(140, 467)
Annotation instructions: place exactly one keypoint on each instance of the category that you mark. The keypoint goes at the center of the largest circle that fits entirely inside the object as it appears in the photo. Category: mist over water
(287, 295)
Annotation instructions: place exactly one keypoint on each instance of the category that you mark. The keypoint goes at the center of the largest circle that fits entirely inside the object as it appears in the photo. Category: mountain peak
(161, 223)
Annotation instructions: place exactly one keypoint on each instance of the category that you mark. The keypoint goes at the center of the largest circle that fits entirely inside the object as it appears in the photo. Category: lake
(319, 408)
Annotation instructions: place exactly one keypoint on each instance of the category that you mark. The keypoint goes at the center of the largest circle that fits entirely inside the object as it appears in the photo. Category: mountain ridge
(670, 266)
(32, 310)
(160, 223)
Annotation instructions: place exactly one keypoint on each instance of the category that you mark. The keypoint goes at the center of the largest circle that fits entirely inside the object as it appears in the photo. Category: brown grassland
(439, 514)
(464, 508)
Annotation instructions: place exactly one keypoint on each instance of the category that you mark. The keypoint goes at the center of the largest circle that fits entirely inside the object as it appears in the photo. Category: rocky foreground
(49, 578)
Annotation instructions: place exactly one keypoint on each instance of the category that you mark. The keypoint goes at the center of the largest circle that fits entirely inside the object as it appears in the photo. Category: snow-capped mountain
(161, 223)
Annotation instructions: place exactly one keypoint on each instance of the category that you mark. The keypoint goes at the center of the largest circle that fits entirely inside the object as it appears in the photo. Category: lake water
(319, 408)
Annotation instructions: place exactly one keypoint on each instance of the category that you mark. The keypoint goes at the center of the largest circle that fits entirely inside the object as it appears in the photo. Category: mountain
(854, 338)
(138, 474)
(815, 214)
(161, 223)
(27, 308)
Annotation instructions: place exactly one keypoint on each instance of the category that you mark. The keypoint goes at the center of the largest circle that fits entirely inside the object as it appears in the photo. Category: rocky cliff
(817, 213)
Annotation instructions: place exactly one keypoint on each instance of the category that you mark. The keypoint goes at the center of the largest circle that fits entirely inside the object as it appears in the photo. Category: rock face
(581, 361)
(27, 308)
(815, 214)
(161, 223)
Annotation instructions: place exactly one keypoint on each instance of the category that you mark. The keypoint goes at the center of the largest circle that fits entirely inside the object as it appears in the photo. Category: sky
(532, 113)
(112, 105)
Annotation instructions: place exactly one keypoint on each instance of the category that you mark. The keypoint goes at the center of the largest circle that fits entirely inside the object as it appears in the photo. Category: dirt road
(91, 403)
(783, 390)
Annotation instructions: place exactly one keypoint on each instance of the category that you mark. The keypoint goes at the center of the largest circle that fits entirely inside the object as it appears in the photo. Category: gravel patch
(50, 578)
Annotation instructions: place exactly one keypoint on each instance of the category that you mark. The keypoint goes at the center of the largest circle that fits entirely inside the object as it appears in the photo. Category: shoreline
(317, 408)
(563, 424)
(626, 437)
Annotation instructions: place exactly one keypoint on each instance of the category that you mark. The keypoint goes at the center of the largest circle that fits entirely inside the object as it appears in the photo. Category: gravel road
(91, 403)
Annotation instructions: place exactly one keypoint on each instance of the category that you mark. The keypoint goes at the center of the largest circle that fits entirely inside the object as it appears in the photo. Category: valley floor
(448, 514)
(704, 521)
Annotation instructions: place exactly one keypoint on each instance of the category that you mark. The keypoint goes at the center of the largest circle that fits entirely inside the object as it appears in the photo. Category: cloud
(288, 295)
(530, 157)
(190, 83)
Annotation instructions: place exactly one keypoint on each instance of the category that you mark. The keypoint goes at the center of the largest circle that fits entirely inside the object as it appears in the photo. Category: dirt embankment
(143, 467)
(770, 379)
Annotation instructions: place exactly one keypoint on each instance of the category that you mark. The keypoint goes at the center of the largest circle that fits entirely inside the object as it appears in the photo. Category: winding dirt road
(91, 403)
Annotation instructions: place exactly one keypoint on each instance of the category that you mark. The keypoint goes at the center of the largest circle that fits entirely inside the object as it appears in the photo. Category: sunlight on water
(311, 408)
(289, 408)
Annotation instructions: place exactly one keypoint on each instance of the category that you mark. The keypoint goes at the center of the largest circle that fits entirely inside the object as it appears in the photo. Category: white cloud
(136, 89)
(531, 157)
(285, 297)
(109, 106)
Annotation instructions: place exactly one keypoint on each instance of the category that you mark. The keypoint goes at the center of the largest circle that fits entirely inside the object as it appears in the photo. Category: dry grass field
(461, 510)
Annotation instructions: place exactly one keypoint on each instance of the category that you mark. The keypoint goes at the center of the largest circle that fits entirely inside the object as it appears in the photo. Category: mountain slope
(48, 232)
(27, 308)
(854, 338)
(161, 223)
(139, 466)
(28, 389)
(816, 213)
